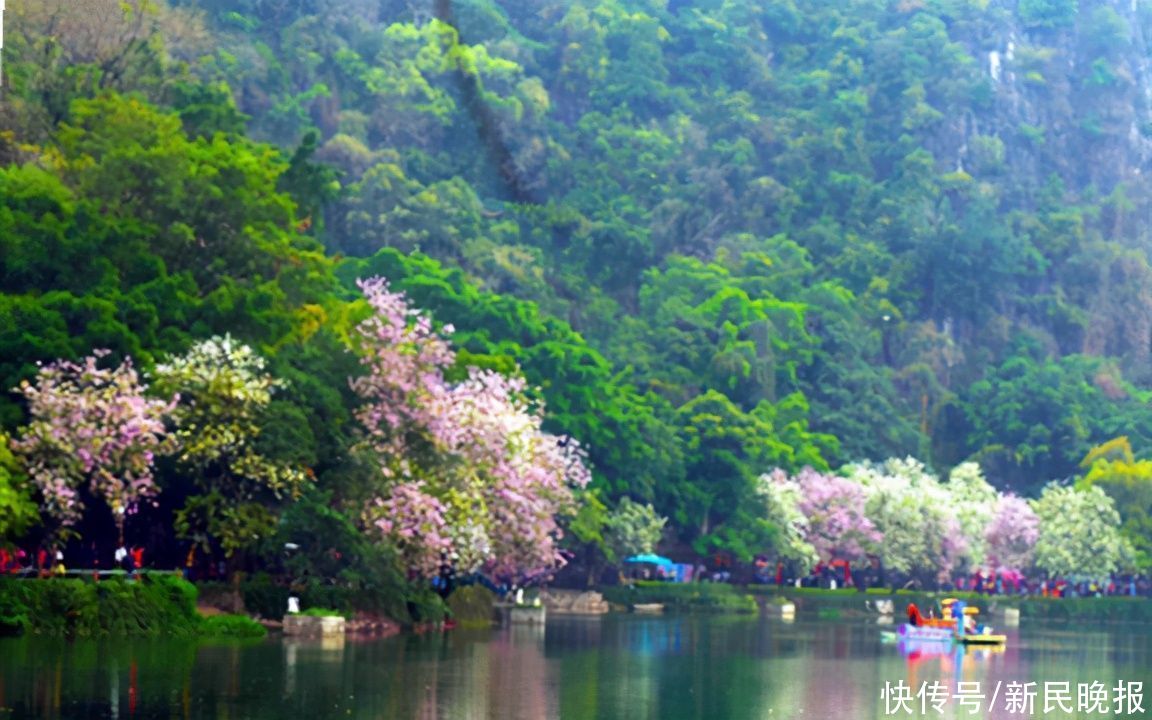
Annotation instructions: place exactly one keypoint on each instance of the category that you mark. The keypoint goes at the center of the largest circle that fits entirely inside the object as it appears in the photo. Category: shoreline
(165, 605)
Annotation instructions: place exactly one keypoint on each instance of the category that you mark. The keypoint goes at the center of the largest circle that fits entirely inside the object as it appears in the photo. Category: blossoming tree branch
(468, 471)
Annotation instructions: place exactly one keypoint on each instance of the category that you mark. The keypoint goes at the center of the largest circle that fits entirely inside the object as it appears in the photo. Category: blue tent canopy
(649, 558)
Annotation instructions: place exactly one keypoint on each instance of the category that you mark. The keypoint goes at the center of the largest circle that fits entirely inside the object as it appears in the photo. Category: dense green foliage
(17, 511)
(718, 237)
(391, 598)
(322, 612)
(1113, 468)
(158, 604)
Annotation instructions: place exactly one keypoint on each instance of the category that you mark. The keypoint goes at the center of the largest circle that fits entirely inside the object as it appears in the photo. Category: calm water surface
(615, 667)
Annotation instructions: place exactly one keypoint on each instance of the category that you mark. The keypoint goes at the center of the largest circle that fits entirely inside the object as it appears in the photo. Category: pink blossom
(91, 427)
(834, 508)
(471, 471)
(1012, 534)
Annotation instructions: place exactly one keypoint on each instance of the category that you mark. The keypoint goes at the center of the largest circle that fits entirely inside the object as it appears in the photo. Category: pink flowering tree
(834, 508)
(1011, 535)
(92, 433)
(469, 473)
(405, 385)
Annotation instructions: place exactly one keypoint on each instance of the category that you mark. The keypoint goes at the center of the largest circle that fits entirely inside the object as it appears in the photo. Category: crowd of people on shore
(48, 561)
(840, 574)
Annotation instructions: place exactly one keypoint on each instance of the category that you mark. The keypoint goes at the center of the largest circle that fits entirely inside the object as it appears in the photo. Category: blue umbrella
(649, 558)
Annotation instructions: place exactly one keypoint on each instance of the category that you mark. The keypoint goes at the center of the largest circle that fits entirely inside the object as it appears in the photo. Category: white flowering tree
(781, 497)
(1079, 533)
(224, 387)
(973, 503)
(915, 513)
(633, 529)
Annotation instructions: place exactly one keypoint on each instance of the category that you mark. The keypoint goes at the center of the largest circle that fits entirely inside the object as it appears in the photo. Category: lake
(614, 667)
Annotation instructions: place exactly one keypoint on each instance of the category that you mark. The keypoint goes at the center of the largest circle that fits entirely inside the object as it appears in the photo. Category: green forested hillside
(720, 237)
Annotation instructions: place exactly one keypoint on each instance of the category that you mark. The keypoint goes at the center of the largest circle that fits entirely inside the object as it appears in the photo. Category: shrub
(426, 606)
(264, 598)
(155, 604)
(324, 612)
(472, 605)
(330, 596)
(231, 626)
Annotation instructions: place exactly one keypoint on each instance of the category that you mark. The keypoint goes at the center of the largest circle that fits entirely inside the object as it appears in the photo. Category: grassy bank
(157, 604)
(683, 597)
(853, 603)
(850, 603)
(1096, 610)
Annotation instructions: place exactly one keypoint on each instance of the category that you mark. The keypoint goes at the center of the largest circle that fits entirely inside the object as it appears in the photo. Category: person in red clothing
(914, 618)
(138, 557)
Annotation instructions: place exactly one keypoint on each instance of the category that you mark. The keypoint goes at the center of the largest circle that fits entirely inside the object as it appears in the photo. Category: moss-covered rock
(472, 605)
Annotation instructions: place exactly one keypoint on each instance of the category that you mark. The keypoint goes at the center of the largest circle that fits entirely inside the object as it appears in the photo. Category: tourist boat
(982, 635)
(945, 630)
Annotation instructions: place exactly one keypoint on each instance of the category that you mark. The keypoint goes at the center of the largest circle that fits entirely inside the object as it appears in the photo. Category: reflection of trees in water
(611, 668)
(53, 678)
(498, 674)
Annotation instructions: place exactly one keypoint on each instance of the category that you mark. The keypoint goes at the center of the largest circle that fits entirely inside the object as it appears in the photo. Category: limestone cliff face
(1066, 91)
(1071, 91)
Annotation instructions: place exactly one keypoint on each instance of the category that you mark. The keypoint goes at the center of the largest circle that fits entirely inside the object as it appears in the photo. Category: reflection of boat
(922, 633)
(915, 650)
(924, 649)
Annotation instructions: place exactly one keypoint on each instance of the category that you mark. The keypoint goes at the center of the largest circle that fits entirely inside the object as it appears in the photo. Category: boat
(922, 630)
(978, 634)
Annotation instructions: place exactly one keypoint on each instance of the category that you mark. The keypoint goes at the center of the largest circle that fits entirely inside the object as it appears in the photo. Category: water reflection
(616, 667)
